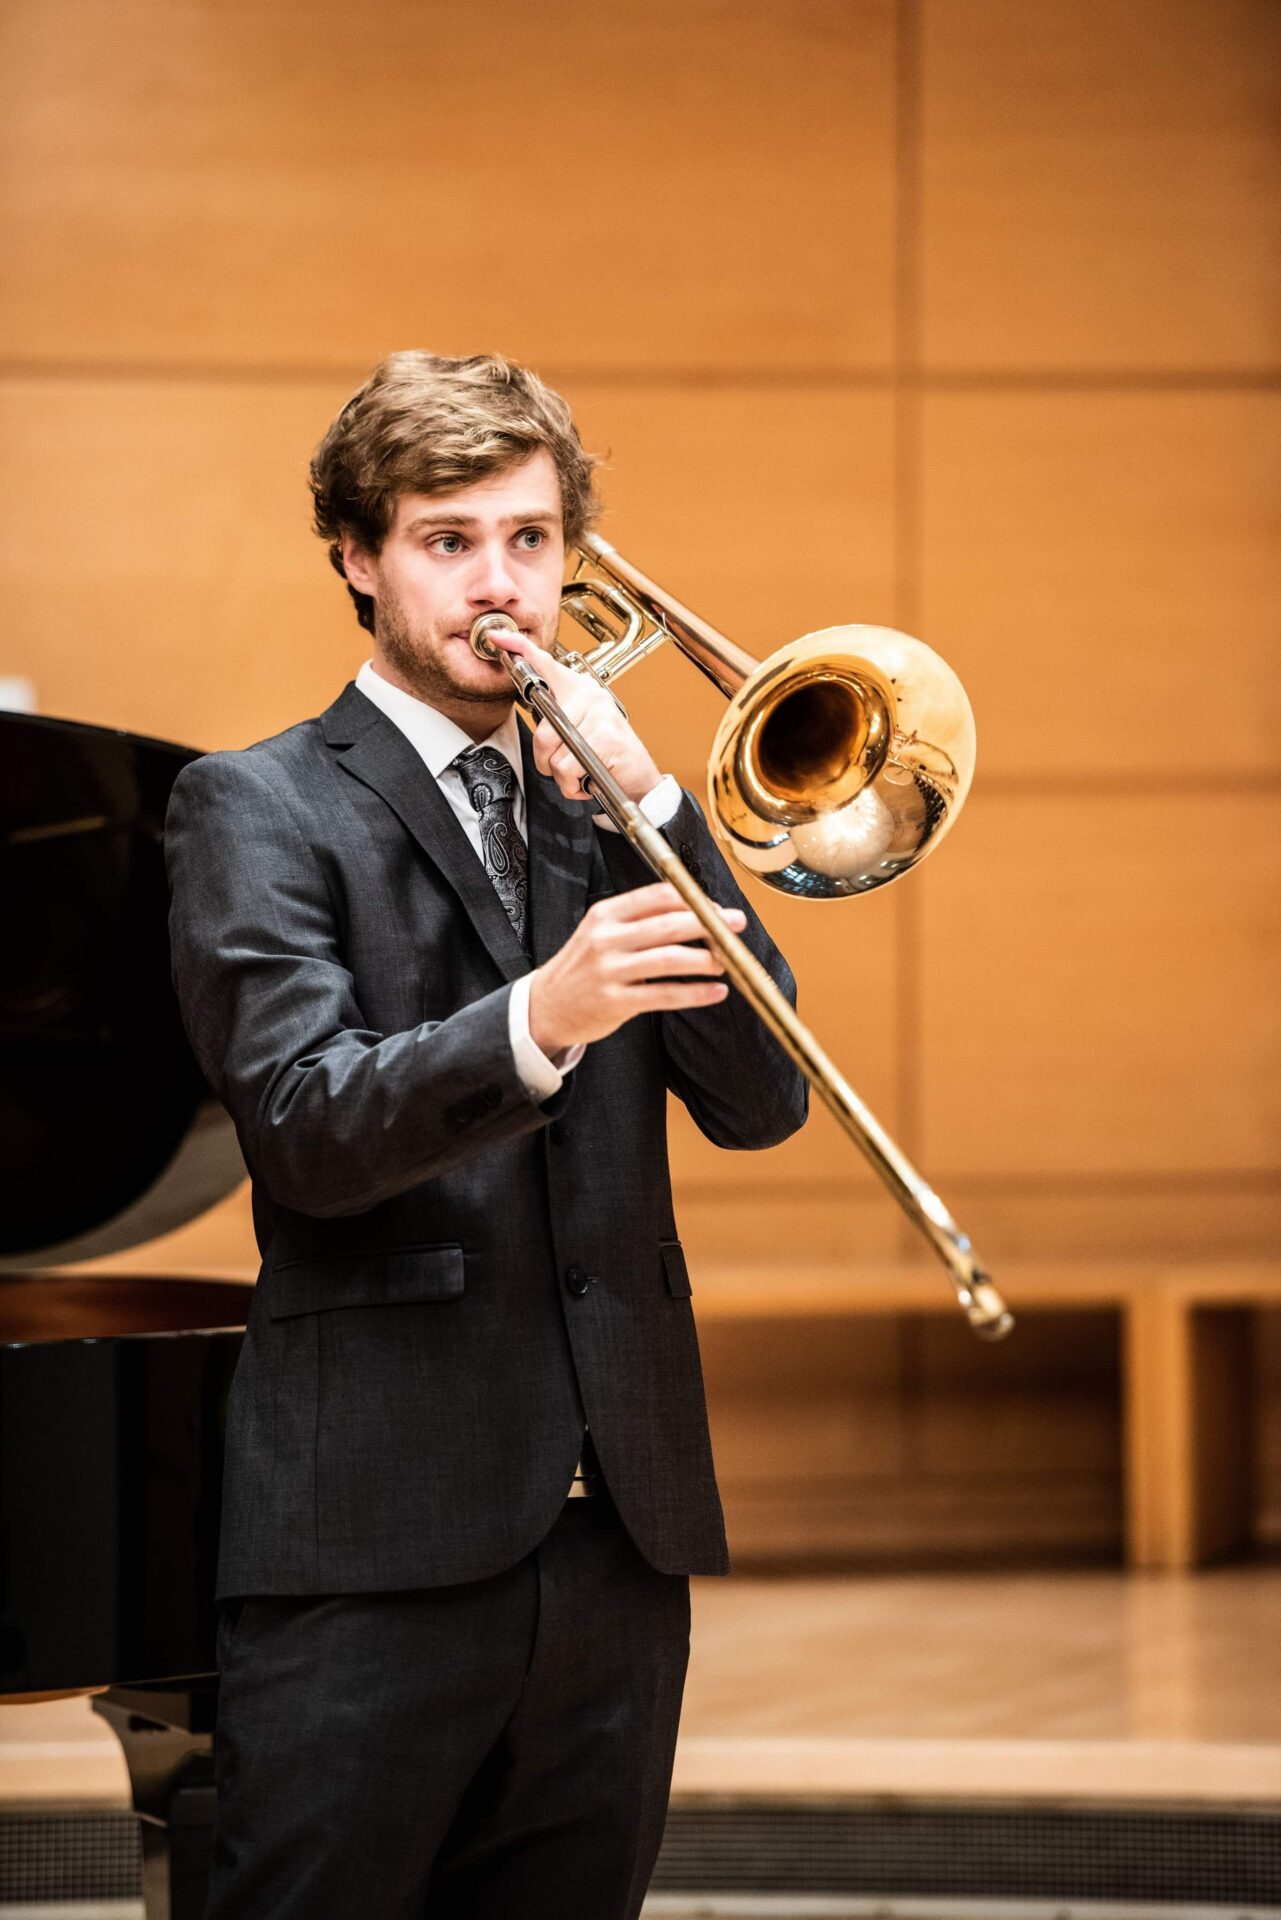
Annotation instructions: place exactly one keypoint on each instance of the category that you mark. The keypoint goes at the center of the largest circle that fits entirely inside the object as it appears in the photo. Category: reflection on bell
(849, 844)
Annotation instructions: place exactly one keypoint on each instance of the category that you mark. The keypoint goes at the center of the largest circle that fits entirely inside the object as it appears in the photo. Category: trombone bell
(841, 762)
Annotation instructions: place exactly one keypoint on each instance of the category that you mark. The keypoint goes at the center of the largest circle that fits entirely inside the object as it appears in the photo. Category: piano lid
(108, 1134)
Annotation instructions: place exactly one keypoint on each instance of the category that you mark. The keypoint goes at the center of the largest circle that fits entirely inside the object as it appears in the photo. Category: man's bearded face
(494, 547)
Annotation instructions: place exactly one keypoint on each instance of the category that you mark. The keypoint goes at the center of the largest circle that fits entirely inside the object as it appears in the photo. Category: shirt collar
(437, 739)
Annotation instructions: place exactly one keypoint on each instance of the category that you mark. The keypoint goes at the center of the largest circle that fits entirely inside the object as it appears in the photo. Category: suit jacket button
(576, 1281)
(691, 860)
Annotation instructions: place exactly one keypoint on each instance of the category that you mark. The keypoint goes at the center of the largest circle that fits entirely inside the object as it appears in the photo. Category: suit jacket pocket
(376, 1278)
(675, 1272)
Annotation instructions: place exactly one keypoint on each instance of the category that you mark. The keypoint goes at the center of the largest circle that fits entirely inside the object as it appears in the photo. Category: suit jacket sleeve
(332, 1116)
(723, 1062)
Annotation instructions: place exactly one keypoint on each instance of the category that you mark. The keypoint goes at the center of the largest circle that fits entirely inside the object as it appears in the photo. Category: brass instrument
(840, 762)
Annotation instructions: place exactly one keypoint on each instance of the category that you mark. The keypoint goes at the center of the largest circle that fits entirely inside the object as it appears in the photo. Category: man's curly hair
(425, 424)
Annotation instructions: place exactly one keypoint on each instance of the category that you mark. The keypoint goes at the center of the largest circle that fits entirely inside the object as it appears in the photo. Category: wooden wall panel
(1114, 1214)
(768, 509)
(768, 505)
(159, 572)
(751, 1213)
(1099, 986)
(1104, 571)
(300, 186)
(1099, 183)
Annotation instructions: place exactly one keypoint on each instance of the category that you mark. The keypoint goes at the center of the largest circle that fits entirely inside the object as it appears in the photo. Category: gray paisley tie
(490, 780)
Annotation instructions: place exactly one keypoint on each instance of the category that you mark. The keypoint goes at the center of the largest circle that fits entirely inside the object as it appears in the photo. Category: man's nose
(492, 583)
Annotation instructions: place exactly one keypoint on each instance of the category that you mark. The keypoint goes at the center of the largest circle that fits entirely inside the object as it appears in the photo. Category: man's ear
(357, 565)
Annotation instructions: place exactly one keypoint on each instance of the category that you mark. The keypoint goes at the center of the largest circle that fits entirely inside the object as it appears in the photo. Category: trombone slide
(979, 1299)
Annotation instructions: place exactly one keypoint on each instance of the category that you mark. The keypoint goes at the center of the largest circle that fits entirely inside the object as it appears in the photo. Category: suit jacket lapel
(561, 842)
(374, 751)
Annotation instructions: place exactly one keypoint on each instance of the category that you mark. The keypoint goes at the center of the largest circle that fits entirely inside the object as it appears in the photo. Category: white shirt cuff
(539, 1076)
(659, 805)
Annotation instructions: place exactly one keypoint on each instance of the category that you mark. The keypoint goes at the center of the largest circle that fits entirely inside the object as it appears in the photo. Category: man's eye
(448, 543)
(531, 537)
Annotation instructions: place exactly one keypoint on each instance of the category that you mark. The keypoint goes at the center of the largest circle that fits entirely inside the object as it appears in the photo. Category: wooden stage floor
(1086, 1685)
(1092, 1685)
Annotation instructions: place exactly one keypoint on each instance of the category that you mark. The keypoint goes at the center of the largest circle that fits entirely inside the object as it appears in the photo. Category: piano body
(112, 1387)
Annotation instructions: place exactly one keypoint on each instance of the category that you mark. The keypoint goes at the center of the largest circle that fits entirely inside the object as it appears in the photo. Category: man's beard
(426, 669)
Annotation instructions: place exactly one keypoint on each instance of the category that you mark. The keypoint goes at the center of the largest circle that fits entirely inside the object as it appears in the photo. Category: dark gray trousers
(480, 1752)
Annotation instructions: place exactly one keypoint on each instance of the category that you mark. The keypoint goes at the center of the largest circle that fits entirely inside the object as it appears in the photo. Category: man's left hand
(593, 711)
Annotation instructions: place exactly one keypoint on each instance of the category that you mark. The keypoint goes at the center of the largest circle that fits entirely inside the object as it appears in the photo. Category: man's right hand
(625, 957)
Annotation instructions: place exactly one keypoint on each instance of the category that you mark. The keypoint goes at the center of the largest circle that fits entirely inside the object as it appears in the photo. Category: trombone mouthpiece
(483, 626)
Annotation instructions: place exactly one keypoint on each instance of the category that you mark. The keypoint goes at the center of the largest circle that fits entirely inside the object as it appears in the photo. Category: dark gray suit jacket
(453, 1276)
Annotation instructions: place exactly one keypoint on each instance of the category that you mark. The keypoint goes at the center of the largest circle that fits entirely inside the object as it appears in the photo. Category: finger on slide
(548, 745)
(661, 929)
(660, 897)
(655, 963)
(670, 999)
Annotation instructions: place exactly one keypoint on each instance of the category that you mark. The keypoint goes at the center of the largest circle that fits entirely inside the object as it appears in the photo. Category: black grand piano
(112, 1388)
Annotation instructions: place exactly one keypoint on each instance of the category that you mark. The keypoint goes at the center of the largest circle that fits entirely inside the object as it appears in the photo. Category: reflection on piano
(112, 1387)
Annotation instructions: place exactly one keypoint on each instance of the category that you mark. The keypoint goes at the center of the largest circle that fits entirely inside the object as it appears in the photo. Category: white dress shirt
(438, 741)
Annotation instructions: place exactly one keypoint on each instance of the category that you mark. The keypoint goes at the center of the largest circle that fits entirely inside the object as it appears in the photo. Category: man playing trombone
(468, 1469)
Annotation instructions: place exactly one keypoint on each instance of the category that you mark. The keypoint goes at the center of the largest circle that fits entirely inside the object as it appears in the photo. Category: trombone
(840, 761)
